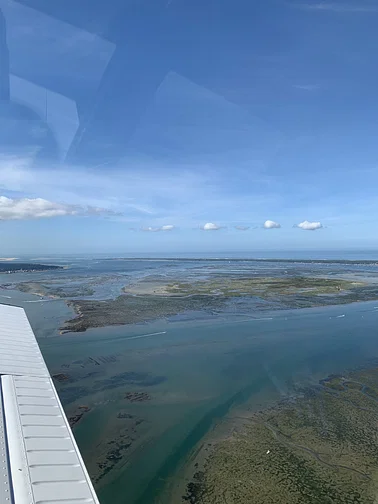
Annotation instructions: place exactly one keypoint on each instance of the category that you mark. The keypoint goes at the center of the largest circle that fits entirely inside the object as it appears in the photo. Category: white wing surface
(40, 462)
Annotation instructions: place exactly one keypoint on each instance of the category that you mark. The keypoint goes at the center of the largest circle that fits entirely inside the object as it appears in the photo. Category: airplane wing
(40, 462)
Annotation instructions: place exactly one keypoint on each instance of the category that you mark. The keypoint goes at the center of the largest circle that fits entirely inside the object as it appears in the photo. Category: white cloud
(167, 227)
(27, 208)
(38, 208)
(269, 224)
(150, 229)
(310, 226)
(210, 226)
(337, 7)
(242, 228)
(306, 87)
(139, 192)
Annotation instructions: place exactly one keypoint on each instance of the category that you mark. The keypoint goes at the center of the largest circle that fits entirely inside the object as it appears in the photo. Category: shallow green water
(194, 371)
(207, 369)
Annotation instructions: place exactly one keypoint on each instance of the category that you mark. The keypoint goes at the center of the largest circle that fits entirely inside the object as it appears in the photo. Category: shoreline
(177, 455)
(223, 430)
(8, 266)
(373, 262)
(75, 305)
(229, 354)
(152, 299)
(190, 479)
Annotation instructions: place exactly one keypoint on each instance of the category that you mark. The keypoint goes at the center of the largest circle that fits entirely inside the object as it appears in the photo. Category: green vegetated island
(45, 289)
(78, 286)
(156, 297)
(14, 267)
(318, 447)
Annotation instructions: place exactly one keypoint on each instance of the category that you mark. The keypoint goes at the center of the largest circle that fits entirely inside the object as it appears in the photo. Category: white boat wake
(39, 301)
(147, 335)
(247, 320)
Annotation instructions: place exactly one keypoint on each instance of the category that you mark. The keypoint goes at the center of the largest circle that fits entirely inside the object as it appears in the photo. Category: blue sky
(183, 126)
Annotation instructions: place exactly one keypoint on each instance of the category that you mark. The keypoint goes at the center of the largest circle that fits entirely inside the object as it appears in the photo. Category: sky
(188, 126)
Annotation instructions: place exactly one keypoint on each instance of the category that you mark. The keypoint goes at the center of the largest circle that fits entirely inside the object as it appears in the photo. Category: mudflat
(151, 299)
(317, 446)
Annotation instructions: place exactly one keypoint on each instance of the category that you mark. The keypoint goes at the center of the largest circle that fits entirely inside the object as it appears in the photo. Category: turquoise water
(208, 369)
(194, 371)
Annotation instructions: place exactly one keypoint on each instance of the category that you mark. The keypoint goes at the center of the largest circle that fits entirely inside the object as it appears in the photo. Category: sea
(194, 370)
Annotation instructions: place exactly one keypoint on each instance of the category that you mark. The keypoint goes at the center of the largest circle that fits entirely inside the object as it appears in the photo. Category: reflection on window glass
(187, 215)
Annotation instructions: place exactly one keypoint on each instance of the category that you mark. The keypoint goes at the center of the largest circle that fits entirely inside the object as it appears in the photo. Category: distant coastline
(372, 262)
(12, 267)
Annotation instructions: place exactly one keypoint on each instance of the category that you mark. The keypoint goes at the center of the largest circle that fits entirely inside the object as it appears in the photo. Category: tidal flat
(156, 298)
(190, 379)
(318, 446)
(149, 400)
